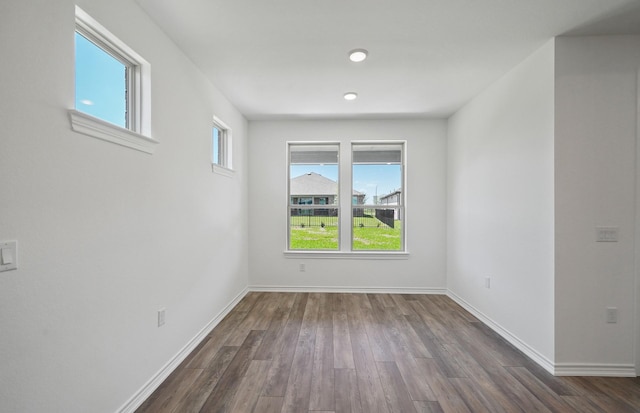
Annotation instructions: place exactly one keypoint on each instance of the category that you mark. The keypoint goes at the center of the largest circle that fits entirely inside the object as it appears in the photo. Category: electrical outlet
(161, 317)
(303, 267)
(612, 315)
(487, 282)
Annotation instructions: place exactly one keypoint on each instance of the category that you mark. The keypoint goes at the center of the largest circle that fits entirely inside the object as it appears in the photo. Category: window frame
(401, 199)
(223, 165)
(345, 218)
(290, 204)
(137, 134)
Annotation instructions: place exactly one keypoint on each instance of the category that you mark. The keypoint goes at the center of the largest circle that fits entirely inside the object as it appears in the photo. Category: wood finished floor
(366, 353)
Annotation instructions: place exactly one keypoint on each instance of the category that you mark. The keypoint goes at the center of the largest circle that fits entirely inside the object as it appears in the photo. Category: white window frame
(345, 217)
(223, 165)
(137, 134)
(324, 206)
(402, 199)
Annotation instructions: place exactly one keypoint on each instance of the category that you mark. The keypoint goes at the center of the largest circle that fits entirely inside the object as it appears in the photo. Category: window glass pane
(101, 83)
(377, 182)
(216, 145)
(314, 154)
(386, 154)
(377, 229)
(313, 182)
(313, 229)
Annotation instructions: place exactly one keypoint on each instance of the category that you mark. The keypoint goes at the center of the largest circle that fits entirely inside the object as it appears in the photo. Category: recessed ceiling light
(350, 95)
(358, 55)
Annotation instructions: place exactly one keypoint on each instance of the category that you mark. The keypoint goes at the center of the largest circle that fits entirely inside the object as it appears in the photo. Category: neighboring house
(315, 189)
(393, 198)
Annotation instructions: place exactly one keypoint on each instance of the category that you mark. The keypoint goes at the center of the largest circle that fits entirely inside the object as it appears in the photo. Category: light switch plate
(161, 316)
(8, 255)
(607, 234)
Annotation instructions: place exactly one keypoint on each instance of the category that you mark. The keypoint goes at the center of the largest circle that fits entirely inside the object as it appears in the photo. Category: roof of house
(314, 184)
(390, 194)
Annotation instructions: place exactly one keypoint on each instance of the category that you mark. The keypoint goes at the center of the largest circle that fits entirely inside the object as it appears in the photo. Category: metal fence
(375, 217)
(328, 217)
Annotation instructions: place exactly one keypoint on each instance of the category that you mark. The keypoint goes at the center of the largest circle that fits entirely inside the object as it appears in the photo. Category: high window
(112, 87)
(221, 146)
(373, 214)
(102, 82)
(313, 193)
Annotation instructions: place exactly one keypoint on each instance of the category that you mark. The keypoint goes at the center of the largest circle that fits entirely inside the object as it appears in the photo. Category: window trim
(224, 149)
(137, 135)
(354, 255)
(100, 129)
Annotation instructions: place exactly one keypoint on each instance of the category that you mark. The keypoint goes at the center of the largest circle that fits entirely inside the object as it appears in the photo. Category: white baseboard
(544, 362)
(354, 290)
(560, 369)
(557, 369)
(149, 387)
(602, 370)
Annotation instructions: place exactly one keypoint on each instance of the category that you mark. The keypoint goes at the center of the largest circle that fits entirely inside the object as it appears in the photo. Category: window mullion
(346, 191)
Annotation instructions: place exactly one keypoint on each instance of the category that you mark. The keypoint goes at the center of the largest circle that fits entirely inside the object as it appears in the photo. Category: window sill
(96, 128)
(359, 255)
(221, 170)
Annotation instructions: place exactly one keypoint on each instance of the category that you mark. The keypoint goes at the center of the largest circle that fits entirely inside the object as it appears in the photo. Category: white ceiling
(288, 58)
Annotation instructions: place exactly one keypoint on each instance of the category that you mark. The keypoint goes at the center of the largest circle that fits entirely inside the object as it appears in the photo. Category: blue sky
(101, 92)
(366, 178)
(100, 83)
(381, 178)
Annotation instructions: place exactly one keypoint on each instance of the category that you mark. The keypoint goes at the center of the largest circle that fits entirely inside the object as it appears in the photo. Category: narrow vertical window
(219, 138)
(220, 147)
(313, 196)
(377, 209)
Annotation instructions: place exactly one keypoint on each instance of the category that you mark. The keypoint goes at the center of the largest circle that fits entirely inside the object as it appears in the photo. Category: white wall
(425, 268)
(500, 204)
(106, 234)
(595, 162)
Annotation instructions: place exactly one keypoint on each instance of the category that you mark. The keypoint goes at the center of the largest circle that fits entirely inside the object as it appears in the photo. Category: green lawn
(368, 234)
(372, 238)
(314, 238)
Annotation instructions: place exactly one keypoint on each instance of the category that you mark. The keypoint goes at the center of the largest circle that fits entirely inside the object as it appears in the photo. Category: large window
(313, 207)
(112, 88)
(373, 214)
(377, 212)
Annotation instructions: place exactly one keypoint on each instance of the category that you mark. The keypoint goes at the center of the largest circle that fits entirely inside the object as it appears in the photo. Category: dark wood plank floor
(366, 353)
